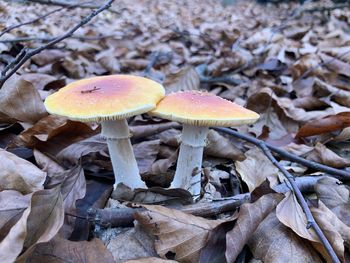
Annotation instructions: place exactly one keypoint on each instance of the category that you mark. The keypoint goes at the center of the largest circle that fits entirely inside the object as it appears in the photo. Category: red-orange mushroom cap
(203, 109)
(103, 98)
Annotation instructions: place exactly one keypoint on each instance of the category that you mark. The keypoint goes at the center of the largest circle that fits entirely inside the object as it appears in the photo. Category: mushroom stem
(121, 153)
(189, 163)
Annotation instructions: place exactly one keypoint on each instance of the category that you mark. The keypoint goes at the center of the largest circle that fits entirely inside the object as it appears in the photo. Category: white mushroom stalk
(197, 111)
(122, 156)
(189, 163)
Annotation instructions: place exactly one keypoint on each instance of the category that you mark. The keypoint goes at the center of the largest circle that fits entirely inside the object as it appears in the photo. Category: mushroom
(197, 111)
(110, 100)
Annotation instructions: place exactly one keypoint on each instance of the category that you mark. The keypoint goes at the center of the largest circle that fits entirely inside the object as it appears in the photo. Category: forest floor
(289, 62)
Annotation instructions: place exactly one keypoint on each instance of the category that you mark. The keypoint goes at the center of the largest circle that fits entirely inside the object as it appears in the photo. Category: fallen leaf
(19, 174)
(32, 229)
(186, 79)
(335, 196)
(47, 164)
(250, 216)
(150, 260)
(335, 230)
(322, 154)
(21, 101)
(189, 233)
(272, 242)
(61, 131)
(60, 250)
(290, 213)
(329, 124)
(256, 168)
(131, 244)
(10, 212)
(221, 147)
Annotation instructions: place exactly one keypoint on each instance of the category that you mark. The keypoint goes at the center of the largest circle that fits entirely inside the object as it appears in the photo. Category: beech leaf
(188, 233)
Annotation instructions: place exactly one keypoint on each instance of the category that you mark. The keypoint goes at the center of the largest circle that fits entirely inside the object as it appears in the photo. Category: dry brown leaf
(322, 154)
(272, 242)
(60, 250)
(221, 147)
(131, 243)
(186, 79)
(335, 230)
(335, 196)
(19, 174)
(21, 101)
(11, 211)
(146, 154)
(290, 213)
(256, 168)
(189, 233)
(48, 165)
(328, 124)
(48, 56)
(31, 228)
(335, 64)
(54, 126)
(250, 216)
(150, 260)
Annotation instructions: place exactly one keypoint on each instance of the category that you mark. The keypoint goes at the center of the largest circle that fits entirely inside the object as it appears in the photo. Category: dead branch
(310, 219)
(327, 8)
(124, 217)
(8, 29)
(64, 3)
(26, 55)
(49, 38)
(340, 174)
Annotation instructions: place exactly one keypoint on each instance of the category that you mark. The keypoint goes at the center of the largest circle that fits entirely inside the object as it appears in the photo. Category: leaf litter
(287, 62)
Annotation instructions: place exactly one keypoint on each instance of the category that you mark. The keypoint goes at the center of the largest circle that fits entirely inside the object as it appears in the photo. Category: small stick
(340, 174)
(124, 217)
(89, 90)
(310, 219)
(8, 29)
(56, 40)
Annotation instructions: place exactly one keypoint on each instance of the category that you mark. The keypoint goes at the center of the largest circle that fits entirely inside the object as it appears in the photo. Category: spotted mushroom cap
(112, 97)
(203, 109)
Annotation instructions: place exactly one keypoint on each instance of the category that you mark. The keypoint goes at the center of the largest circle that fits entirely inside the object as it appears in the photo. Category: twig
(123, 217)
(310, 219)
(50, 38)
(326, 8)
(340, 174)
(223, 79)
(56, 40)
(8, 29)
(62, 3)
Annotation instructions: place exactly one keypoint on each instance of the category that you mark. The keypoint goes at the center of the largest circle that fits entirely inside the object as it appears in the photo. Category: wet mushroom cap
(104, 98)
(203, 109)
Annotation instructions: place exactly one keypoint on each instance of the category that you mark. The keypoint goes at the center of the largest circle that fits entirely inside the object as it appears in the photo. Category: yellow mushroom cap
(203, 109)
(112, 97)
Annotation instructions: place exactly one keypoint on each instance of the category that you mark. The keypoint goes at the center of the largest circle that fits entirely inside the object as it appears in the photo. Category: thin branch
(327, 8)
(8, 29)
(124, 217)
(311, 221)
(340, 174)
(49, 38)
(56, 40)
(63, 3)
